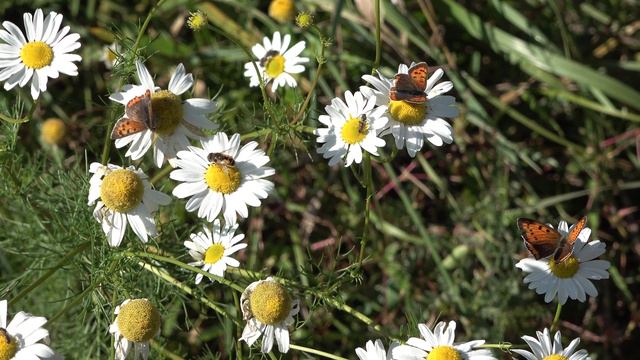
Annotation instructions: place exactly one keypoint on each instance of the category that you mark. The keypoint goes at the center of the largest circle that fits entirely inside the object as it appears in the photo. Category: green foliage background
(548, 129)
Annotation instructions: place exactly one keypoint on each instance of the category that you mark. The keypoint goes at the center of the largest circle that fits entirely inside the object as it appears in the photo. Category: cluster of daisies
(220, 178)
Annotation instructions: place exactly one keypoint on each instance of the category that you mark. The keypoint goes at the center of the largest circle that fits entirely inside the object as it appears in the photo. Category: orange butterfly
(410, 87)
(138, 117)
(543, 241)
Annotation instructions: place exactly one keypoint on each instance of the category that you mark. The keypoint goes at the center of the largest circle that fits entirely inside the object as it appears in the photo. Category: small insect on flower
(159, 118)
(24, 337)
(276, 62)
(564, 260)
(414, 105)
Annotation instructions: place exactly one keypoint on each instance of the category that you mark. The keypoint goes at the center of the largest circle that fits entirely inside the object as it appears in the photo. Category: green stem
(367, 206)
(321, 60)
(23, 119)
(316, 352)
(163, 274)
(376, 63)
(556, 318)
(186, 267)
(167, 354)
(161, 174)
(263, 85)
(50, 272)
(505, 346)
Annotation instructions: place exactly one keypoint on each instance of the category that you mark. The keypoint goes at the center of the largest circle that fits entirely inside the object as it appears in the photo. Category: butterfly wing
(567, 247)
(126, 126)
(418, 73)
(404, 89)
(137, 117)
(540, 239)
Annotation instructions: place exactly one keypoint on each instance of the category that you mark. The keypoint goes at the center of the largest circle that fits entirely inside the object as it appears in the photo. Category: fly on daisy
(276, 62)
(415, 106)
(23, 337)
(159, 118)
(44, 53)
(212, 249)
(124, 196)
(222, 178)
(351, 127)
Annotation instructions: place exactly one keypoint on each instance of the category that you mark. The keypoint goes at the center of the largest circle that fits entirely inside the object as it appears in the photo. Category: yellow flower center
(555, 357)
(565, 269)
(282, 10)
(138, 320)
(223, 178)
(8, 345)
(36, 54)
(354, 130)
(121, 190)
(111, 55)
(444, 352)
(304, 20)
(167, 108)
(274, 66)
(197, 20)
(52, 131)
(214, 254)
(407, 113)
(270, 302)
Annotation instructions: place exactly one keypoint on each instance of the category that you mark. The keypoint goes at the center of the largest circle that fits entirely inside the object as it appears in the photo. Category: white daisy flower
(276, 62)
(176, 121)
(571, 277)
(351, 127)
(136, 323)
(124, 196)
(268, 308)
(110, 55)
(439, 345)
(551, 349)
(411, 123)
(20, 338)
(222, 178)
(375, 351)
(43, 54)
(213, 249)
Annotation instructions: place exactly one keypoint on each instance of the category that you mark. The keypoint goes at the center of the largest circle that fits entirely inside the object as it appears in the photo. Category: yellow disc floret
(223, 178)
(167, 108)
(282, 10)
(270, 302)
(555, 357)
(8, 345)
(444, 352)
(304, 20)
(566, 268)
(274, 66)
(354, 130)
(121, 190)
(197, 20)
(407, 113)
(52, 131)
(36, 54)
(213, 254)
(138, 320)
